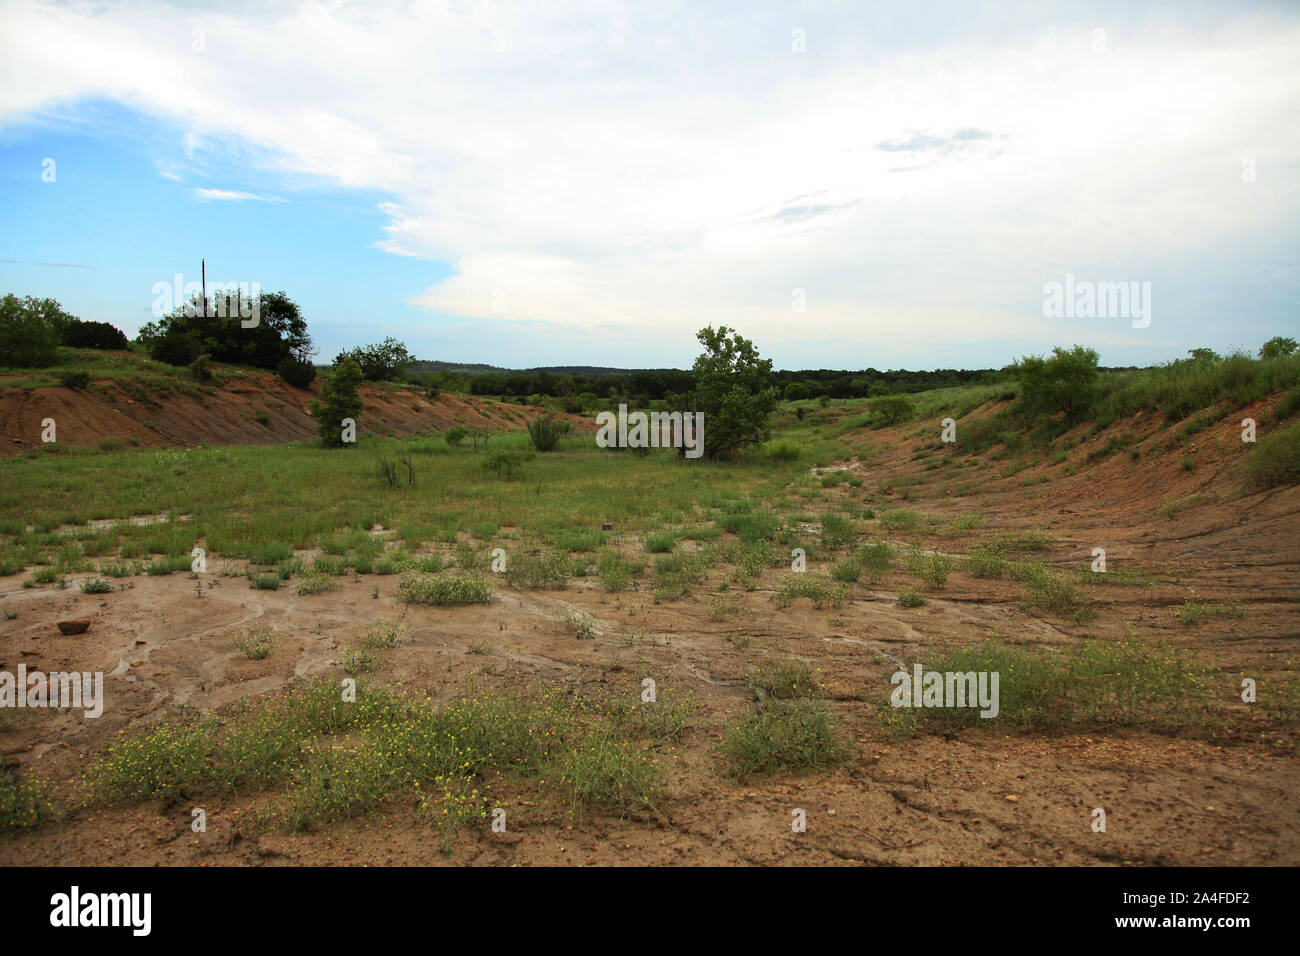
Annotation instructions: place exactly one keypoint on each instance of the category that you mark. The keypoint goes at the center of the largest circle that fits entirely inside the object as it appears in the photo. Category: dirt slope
(228, 414)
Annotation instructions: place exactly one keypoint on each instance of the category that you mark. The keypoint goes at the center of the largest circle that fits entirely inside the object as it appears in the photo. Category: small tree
(893, 409)
(733, 389)
(1066, 382)
(1277, 347)
(339, 399)
(28, 339)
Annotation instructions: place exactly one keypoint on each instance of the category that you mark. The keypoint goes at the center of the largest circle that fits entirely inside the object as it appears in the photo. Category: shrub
(96, 586)
(74, 379)
(1276, 458)
(397, 473)
(78, 334)
(546, 432)
(201, 369)
(848, 570)
(1066, 382)
(455, 435)
(296, 372)
(507, 465)
(911, 598)
(256, 644)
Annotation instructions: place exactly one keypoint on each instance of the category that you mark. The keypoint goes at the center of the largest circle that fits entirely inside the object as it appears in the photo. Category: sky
(888, 185)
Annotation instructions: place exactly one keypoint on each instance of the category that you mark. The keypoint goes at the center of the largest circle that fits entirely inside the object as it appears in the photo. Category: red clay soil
(228, 415)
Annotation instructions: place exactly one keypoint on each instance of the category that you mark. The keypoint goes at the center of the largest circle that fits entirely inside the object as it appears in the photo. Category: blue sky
(589, 183)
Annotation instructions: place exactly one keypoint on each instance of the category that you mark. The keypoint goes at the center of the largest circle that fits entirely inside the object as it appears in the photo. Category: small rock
(74, 627)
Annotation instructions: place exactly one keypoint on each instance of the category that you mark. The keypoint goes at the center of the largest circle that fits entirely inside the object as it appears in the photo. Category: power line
(91, 231)
(43, 195)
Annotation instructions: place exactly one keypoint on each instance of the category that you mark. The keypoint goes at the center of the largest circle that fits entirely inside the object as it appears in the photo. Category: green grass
(1102, 682)
(417, 587)
(783, 736)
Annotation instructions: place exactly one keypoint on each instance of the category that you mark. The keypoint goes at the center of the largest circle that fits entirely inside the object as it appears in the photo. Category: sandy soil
(972, 797)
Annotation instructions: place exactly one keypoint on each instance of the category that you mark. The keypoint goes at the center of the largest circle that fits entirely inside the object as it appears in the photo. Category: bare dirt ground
(973, 797)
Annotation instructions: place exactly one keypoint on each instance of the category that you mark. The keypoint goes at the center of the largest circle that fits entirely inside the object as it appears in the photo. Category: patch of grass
(24, 803)
(578, 624)
(1276, 458)
(541, 572)
(933, 569)
(96, 586)
(783, 679)
(660, 543)
(255, 644)
(315, 582)
(783, 736)
(607, 772)
(911, 598)
(416, 587)
(821, 591)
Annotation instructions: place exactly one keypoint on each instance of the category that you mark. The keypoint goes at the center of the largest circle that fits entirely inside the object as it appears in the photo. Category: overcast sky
(589, 183)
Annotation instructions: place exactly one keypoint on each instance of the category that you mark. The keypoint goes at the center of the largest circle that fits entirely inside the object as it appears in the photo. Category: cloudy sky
(850, 185)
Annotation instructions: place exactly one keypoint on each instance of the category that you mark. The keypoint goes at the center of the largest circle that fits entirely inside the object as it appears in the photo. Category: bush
(93, 335)
(1066, 382)
(455, 435)
(911, 598)
(848, 570)
(96, 586)
(201, 369)
(397, 473)
(1276, 458)
(507, 465)
(74, 379)
(546, 432)
(297, 372)
(255, 645)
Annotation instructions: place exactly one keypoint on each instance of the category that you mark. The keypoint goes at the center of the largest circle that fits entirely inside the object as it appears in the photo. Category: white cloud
(652, 169)
(231, 195)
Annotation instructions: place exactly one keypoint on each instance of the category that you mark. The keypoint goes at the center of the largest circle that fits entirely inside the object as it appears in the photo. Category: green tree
(386, 361)
(733, 389)
(796, 391)
(28, 338)
(1066, 382)
(1204, 355)
(339, 399)
(1277, 347)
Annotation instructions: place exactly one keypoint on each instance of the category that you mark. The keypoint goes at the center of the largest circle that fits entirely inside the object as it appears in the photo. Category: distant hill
(429, 365)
